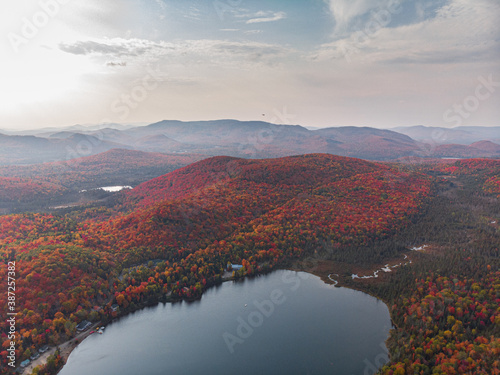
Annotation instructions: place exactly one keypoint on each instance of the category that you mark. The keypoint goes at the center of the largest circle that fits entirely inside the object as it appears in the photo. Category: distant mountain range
(73, 128)
(17, 149)
(249, 139)
(464, 135)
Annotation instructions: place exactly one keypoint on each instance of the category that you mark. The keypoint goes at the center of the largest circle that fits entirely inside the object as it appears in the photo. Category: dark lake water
(292, 323)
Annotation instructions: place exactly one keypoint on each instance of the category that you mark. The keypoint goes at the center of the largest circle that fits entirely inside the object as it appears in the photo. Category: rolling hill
(464, 135)
(22, 150)
(261, 139)
(60, 183)
(113, 167)
(474, 150)
(370, 143)
(258, 213)
(249, 139)
(228, 192)
(17, 192)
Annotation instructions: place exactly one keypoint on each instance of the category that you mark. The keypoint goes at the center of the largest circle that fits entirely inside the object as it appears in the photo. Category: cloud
(345, 12)
(480, 53)
(186, 52)
(422, 7)
(161, 4)
(113, 64)
(250, 32)
(194, 13)
(113, 47)
(249, 50)
(459, 32)
(267, 17)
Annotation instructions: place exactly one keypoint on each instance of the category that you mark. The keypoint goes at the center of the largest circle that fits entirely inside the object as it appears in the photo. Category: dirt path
(66, 349)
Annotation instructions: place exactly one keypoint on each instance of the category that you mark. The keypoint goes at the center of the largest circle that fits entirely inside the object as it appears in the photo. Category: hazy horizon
(141, 124)
(316, 63)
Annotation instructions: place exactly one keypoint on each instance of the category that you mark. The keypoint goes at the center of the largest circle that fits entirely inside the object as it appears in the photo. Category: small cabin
(83, 325)
(234, 267)
(114, 307)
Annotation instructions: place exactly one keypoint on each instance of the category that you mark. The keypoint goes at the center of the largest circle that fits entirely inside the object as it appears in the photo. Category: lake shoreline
(68, 346)
(324, 268)
(65, 349)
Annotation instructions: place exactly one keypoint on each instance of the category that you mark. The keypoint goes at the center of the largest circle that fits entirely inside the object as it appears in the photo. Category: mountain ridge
(249, 139)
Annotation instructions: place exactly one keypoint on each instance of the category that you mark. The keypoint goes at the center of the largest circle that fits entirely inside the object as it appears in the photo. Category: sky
(318, 63)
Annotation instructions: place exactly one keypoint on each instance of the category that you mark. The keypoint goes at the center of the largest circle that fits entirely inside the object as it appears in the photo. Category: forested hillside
(446, 305)
(173, 236)
(17, 191)
(259, 213)
(38, 187)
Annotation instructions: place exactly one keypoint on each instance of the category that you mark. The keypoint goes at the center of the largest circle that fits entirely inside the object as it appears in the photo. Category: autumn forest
(171, 237)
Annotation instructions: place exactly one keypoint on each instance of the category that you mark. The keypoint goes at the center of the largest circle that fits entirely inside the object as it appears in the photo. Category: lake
(284, 322)
(110, 189)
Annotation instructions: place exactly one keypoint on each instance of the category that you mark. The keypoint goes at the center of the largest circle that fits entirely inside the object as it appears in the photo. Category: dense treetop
(174, 235)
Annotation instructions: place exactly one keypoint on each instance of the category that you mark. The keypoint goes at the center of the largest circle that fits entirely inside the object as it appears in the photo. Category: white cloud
(251, 32)
(461, 31)
(267, 17)
(163, 7)
(194, 13)
(421, 8)
(205, 51)
(414, 71)
(345, 12)
(399, 74)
